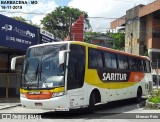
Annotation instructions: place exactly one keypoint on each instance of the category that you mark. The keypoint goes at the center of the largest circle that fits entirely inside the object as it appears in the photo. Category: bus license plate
(38, 104)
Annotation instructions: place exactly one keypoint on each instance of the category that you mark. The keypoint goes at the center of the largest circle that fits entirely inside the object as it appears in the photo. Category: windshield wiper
(40, 73)
(36, 73)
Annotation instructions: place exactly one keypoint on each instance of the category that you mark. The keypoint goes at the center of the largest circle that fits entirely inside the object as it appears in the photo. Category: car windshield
(42, 69)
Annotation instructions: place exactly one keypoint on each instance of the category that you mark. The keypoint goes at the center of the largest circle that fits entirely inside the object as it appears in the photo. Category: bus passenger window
(108, 61)
(114, 61)
(144, 64)
(95, 59)
(140, 65)
(148, 67)
(133, 64)
(122, 62)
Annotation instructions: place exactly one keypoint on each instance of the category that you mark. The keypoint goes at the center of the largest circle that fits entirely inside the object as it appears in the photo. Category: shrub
(154, 99)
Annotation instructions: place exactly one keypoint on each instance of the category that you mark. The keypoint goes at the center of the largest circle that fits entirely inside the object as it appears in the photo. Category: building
(102, 40)
(15, 38)
(142, 30)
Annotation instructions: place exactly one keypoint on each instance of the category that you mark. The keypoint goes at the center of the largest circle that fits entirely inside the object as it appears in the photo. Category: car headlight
(57, 94)
(22, 95)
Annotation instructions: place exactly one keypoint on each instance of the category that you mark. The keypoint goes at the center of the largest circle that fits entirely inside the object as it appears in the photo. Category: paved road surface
(116, 110)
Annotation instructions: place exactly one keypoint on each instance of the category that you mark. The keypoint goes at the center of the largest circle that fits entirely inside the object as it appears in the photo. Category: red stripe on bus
(136, 77)
(43, 95)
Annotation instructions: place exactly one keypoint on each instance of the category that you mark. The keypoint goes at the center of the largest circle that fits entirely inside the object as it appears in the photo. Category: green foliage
(154, 99)
(89, 35)
(119, 40)
(145, 51)
(19, 18)
(24, 20)
(59, 21)
(155, 96)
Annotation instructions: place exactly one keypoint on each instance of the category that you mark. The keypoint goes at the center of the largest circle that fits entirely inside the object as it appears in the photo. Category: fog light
(57, 94)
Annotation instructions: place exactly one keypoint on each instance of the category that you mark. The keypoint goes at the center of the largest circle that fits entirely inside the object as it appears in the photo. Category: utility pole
(131, 41)
(70, 26)
(157, 75)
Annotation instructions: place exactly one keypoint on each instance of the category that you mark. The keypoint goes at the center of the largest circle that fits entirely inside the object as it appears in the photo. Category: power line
(34, 13)
(104, 18)
(19, 12)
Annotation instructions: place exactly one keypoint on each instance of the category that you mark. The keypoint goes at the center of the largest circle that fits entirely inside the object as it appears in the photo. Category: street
(115, 110)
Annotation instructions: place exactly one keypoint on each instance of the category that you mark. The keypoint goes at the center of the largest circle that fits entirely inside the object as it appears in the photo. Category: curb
(9, 106)
(152, 105)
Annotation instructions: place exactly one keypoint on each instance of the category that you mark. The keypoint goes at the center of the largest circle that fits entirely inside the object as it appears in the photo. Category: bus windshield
(41, 68)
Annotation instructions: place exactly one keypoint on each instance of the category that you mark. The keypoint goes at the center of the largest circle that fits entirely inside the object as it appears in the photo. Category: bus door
(75, 77)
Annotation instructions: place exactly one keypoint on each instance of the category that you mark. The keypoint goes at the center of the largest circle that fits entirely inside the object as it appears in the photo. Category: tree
(119, 40)
(88, 36)
(24, 20)
(59, 21)
(19, 18)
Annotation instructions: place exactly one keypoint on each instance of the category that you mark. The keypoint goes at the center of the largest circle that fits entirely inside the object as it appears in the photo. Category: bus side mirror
(16, 60)
(61, 57)
(13, 63)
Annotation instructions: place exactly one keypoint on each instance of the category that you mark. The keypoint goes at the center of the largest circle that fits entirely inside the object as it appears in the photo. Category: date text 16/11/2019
(11, 7)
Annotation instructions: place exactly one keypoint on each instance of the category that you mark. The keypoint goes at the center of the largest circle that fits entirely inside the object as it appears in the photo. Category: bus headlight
(57, 94)
(22, 95)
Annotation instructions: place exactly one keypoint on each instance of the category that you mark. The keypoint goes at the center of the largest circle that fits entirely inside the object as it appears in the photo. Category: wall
(150, 8)
(132, 36)
(153, 37)
(118, 22)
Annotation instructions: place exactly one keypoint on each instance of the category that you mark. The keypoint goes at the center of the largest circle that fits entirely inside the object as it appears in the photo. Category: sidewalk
(9, 102)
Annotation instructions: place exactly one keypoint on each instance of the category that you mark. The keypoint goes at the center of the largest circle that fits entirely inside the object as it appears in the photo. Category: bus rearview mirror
(16, 60)
(61, 57)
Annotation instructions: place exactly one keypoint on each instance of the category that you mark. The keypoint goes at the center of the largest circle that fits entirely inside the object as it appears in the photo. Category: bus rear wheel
(92, 102)
(139, 95)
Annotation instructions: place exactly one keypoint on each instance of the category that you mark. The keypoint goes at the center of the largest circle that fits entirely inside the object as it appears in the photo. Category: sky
(94, 8)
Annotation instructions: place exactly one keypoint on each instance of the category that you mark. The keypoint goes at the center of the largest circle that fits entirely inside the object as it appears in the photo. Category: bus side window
(140, 65)
(114, 61)
(108, 61)
(133, 64)
(122, 62)
(95, 59)
(145, 67)
(148, 66)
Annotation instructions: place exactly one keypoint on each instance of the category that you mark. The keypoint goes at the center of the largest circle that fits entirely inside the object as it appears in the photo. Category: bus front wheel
(92, 101)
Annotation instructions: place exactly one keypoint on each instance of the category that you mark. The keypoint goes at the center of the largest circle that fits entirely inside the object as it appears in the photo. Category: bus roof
(92, 46)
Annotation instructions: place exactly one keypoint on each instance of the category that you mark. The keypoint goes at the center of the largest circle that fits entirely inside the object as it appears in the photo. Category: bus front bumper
(57, 103)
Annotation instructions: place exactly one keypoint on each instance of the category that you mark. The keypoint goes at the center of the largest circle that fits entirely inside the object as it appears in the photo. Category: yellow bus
(71, 74)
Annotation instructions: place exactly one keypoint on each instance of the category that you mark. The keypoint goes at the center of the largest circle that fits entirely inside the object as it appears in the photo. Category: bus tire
(139, 95)
(92, 102)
